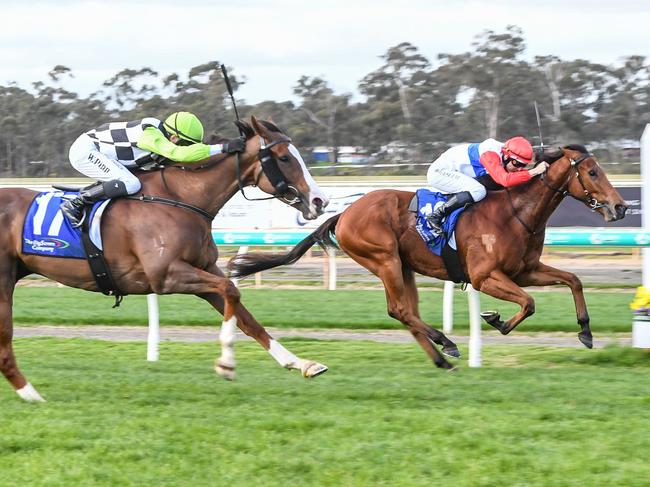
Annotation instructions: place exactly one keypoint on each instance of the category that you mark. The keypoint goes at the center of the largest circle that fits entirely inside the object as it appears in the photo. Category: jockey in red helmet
(456, 172)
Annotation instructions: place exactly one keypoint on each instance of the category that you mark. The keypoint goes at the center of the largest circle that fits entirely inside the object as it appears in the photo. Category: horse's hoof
(226, 371)
(29, 394)
(451, 351)
(493, 318)
(313, 369)
(586, 339)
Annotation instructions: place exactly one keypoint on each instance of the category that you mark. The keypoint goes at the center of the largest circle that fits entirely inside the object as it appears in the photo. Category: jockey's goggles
(516, 163)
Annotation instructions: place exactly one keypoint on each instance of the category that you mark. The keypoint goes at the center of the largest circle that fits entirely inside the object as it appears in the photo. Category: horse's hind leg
(411, 294)
(225, 365)
(401, 306)
(8, 364)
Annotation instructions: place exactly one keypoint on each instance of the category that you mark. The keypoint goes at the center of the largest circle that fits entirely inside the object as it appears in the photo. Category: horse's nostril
(317, 202)
(620, 211)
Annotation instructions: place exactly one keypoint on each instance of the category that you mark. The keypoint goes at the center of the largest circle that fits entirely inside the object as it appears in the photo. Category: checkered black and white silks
(118, 140)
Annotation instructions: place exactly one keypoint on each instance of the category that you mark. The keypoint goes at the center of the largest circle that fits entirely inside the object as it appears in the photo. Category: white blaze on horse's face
(316, 197)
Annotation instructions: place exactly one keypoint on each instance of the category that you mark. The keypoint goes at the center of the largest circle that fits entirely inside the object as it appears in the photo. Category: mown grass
(293, 308)
(382, 416)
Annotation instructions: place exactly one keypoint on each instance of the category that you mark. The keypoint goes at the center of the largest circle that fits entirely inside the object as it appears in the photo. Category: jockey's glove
(234, 145)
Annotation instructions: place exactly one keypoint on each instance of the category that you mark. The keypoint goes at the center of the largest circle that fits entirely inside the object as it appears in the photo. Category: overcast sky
(272, 43)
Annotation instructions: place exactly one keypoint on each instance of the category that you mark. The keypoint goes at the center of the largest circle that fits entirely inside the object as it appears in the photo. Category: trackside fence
(553, 238)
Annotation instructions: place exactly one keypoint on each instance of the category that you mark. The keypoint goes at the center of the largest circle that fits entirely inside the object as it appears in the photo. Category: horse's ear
(259, 128)
(245, 128)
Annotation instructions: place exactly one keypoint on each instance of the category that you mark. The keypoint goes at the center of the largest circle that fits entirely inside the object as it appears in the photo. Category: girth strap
(98, 265)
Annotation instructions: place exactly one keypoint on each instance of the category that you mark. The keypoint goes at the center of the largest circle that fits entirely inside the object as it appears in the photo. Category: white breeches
(86, 159)
(447, 181)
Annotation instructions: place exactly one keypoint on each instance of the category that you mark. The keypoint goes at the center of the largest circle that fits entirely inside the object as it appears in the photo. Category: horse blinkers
(273, 173)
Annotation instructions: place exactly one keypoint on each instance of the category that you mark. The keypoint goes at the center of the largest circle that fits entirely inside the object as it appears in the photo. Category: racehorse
(499, 242)
(168, 248)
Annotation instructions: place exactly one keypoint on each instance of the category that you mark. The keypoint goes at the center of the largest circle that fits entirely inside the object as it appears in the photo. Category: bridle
(270, 169)
(589, 199)
(273, 173)
(284, 191)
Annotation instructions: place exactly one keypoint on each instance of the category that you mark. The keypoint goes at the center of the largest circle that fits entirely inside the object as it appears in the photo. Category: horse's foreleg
(249, 325)
(545, 275)
(252, 328)
(8, 364)
(500, 286)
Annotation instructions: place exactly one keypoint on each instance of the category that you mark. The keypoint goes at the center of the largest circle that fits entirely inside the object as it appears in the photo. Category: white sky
(272, 43)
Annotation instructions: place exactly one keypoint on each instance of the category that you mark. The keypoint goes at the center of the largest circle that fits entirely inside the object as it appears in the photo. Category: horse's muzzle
(620, 211)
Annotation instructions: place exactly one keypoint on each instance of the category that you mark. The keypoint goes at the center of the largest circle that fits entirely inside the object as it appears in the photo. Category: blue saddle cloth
(427, 201)
(47, 232)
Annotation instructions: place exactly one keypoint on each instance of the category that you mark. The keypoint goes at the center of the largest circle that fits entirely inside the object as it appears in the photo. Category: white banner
(240, 214)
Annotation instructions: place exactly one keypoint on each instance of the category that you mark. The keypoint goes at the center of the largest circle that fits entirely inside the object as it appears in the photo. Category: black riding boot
(74, 209)
(455, 201)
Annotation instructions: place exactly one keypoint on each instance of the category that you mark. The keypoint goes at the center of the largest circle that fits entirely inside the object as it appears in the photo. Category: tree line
(410, 103)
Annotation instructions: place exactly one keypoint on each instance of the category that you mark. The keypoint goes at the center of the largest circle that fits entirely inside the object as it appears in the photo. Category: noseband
(589, 200)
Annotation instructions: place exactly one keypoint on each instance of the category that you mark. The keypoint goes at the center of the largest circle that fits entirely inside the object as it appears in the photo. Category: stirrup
(77, 223)
(436, 229)
(71, 214)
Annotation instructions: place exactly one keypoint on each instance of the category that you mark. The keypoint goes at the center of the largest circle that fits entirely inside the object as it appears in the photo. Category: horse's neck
(534, 203)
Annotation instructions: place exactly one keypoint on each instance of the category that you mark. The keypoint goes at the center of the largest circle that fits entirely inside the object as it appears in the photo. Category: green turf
(364, 309)
(382, 416)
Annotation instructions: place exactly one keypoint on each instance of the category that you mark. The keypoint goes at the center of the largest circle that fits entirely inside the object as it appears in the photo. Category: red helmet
(518, 149)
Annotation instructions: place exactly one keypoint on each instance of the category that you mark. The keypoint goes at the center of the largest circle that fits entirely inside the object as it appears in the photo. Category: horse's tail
(243, 265)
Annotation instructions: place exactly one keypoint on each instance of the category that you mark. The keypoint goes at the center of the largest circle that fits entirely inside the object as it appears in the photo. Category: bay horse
(499, 242)
(165, 249)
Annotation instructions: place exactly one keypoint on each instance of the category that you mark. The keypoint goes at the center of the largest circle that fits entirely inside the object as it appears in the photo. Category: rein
(178, 204)
(269, 168)
(589, 200)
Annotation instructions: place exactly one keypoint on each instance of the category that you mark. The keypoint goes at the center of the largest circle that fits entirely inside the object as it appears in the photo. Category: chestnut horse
(163, 249)
(499, 242)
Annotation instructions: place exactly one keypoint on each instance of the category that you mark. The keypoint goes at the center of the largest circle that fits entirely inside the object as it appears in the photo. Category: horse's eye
(284, 158)
(592, 173)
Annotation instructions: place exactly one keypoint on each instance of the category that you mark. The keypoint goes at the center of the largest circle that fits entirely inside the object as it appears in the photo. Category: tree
(321, 106)
(494, 72)
(389, 89)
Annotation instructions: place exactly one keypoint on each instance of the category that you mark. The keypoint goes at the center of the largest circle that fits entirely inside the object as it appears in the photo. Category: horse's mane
(577, 147)
(246, 129)
(554, 155)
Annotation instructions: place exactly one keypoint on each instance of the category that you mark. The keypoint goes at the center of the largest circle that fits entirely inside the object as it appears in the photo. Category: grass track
(364, 309)
(382, 416)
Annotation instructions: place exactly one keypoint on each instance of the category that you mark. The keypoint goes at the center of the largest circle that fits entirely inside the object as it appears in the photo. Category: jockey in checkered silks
(106, 154)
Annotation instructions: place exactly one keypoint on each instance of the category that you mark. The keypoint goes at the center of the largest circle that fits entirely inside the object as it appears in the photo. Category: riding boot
(455, 201)
(74, 209)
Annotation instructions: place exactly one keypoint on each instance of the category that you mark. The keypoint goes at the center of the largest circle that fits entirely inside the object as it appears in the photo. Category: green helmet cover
(186, 126)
